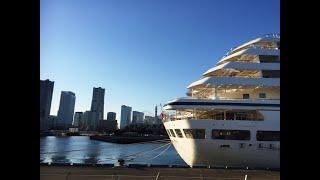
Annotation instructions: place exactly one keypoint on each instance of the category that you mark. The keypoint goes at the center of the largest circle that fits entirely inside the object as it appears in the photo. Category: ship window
(271, 73)
(268, 59)
(246, 96)
(194, 133)
(242, 115)
(218, 116)
(229, 115)
(179, 133)
(268, 135)
(260, 145)
(172, 133)
(262, 95)
(230, 134)
(242, 145)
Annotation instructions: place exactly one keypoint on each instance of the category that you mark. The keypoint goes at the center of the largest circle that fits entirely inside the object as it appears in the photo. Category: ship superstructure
(231, 116)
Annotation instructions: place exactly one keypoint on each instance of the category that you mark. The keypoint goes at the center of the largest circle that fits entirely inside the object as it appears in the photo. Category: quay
(151, 173)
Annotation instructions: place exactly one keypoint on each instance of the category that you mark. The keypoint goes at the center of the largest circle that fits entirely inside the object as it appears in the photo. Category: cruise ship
(231, 116)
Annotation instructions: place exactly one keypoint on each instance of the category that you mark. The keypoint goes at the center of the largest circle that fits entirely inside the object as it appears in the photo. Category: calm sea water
(80, 149)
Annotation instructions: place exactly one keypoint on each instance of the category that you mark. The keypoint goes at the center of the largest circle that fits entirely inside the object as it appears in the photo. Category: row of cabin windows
(247, 96)
(231, 115)
(224, 134)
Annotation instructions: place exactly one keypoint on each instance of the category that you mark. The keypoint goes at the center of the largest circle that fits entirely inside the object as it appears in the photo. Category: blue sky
(143, 52)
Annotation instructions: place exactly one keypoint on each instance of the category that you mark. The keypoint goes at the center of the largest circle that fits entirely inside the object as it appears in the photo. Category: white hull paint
(241, 153)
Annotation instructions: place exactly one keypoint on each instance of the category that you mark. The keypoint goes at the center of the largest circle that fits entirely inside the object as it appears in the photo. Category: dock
(151, 173)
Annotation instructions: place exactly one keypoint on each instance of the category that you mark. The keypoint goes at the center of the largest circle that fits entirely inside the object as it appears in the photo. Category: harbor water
(80, 149)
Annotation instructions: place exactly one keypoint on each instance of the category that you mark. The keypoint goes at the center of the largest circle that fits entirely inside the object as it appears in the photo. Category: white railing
(273, 35)
(253, 99)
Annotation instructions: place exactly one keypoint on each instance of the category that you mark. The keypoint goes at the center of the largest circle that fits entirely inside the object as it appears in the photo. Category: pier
(154, 173)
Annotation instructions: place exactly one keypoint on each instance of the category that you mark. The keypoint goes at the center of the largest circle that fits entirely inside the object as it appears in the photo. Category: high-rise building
(137, 117)
(85, 120)
(77, 119)
(52, 121)
(97, 106)
(111, 116)
(46, 90)
(125, 118)
(156, 111)
(157, 119)
(66, 108)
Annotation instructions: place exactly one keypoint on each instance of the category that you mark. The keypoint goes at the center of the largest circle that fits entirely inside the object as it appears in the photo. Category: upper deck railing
(271, 35)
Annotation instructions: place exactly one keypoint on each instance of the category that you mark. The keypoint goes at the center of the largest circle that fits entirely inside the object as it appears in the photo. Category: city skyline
(128, 49)
(92, 102)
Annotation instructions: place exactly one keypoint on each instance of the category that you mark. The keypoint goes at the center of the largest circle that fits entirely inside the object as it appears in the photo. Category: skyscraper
(111, 116)
(46, 90)
(156, 111)
(86, 120)
(137, 117)
(125, 116)
(97, 106)
(66, 108)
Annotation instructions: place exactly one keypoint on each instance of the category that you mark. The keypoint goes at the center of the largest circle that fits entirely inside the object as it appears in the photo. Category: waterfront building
(111, 116)
(66, 108)
(85, 120)
(108, 125)
(149, 120)
(77, 119)
(90, 121)
(97, 107)
(125, 118)
(52, 121)
(46, 90)
(137, 117)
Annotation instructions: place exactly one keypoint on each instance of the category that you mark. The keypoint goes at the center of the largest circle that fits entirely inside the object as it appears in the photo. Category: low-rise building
(107, 125)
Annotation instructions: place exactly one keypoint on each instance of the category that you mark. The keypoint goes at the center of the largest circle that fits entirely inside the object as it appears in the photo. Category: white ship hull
(216, 153)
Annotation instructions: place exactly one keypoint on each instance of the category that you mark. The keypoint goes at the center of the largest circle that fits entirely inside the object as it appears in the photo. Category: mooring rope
(96, 148)
(161, 153)
(145, 152)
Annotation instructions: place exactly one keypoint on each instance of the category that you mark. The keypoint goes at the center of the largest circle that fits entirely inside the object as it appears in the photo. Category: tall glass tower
(46, 90)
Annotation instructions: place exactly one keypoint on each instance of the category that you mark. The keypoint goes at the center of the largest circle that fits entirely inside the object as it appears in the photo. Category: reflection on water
(80, 149)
